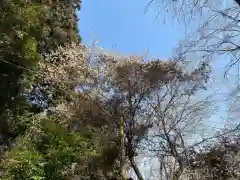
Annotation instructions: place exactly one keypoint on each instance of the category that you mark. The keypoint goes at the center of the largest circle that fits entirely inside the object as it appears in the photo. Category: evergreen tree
(28, 29)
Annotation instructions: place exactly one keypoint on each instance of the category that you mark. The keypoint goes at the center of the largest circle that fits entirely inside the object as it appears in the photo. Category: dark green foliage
(48, 151)
(36, 148)
(28, 29)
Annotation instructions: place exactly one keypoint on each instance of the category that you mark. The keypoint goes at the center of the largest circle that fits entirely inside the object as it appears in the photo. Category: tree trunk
(122, 149)
(135, 168)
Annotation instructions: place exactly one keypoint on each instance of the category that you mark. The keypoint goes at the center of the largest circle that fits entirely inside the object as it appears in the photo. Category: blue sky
(123, 26)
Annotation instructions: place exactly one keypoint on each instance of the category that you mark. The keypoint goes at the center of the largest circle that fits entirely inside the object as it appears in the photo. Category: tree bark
(122, 149)
(135, 168)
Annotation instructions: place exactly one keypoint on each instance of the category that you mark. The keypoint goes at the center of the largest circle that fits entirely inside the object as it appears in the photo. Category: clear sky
(123, 26)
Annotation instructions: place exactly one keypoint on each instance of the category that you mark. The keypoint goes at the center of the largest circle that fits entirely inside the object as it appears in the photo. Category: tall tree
(28, 29)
